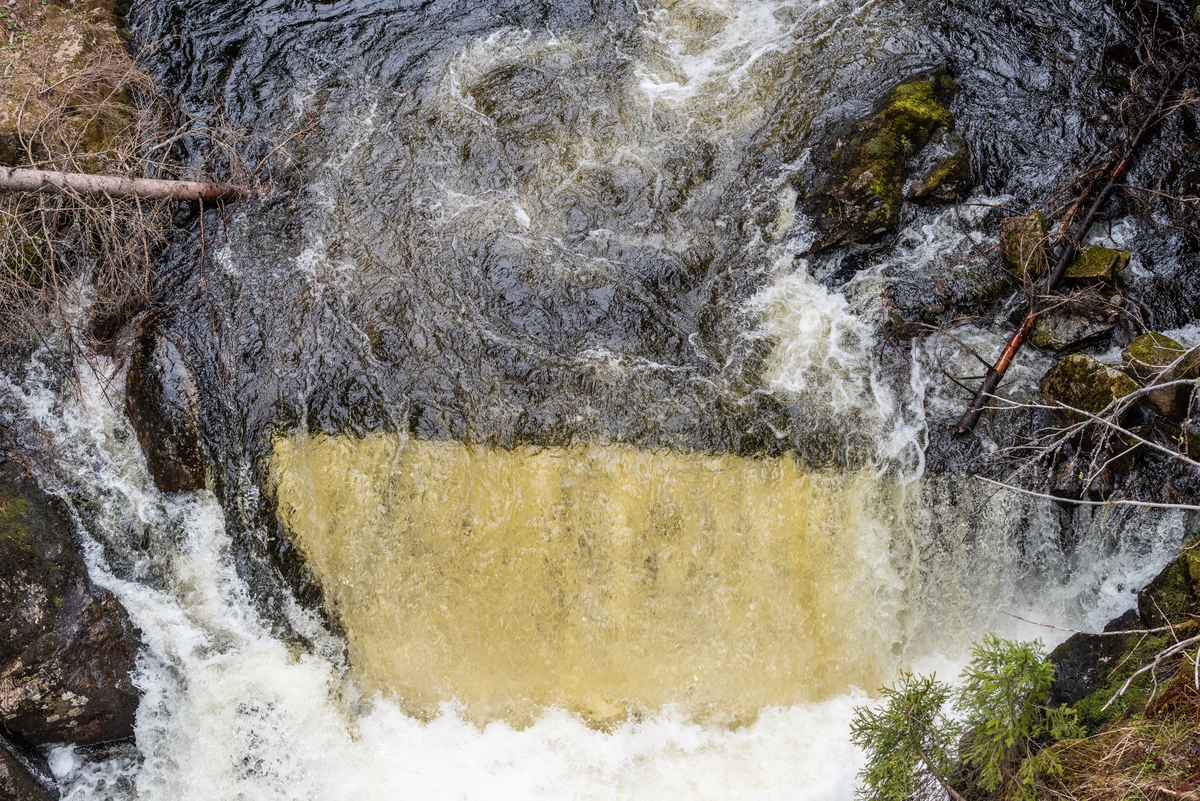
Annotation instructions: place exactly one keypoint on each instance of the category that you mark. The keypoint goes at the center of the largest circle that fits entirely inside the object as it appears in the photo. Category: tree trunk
(15, 180)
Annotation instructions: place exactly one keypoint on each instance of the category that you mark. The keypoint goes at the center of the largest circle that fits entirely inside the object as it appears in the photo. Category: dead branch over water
(53, 182)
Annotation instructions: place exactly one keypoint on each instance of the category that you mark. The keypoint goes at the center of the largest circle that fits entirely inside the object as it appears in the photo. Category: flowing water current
(542, 466)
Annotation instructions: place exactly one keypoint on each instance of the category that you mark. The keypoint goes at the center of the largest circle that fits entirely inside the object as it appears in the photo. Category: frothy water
(232, 710)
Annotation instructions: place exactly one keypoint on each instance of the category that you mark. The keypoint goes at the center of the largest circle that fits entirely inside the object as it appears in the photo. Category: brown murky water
(605, 580)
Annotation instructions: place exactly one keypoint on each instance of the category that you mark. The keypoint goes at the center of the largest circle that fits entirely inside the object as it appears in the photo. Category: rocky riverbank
(68, 651)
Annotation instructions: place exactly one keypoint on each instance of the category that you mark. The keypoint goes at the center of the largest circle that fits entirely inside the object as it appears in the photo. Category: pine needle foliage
(910, 743)
(914, 746)
(1002, 698)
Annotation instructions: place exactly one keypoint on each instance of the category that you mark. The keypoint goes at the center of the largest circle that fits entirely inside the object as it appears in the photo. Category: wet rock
(1025, 245)
(67, 647)
(1081, 382)
(859, 199)
(1095, 264)
(1076, 323)
(1083, 663)
(914, 299)
(163, 403)
(1156, 358)
(1172, 594)
(24, 774)
(944, 169)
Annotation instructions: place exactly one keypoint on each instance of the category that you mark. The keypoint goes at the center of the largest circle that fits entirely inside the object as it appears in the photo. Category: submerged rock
(24, 774)
(944, 171)
(1075, 324)
(163, 405)
(1156, 358)
(1097, 263)
(68, 647)
(914, 299)
(1025, 246)
(860, 198)
(1081, 382)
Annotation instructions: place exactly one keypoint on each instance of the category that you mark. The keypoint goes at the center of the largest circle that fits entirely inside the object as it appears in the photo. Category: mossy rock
(1097, 263)
(68, 646)
(1155, 357)
(1081, 382)
(1171, 597)
(945, 170)
(860, 198)
(1025, 246)
(1095, 668)
(1152, 352)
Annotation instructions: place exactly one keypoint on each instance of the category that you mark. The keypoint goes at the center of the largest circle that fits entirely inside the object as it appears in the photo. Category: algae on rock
(1025, 246)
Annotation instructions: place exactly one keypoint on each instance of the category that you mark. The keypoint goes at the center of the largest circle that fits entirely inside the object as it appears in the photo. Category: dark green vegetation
(1106, 716)
(991, 747)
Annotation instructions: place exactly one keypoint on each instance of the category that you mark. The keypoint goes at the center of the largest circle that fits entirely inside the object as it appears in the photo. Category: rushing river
(543, 468)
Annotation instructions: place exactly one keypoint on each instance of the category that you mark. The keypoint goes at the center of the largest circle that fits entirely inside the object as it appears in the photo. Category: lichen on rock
(68, 647)
(1155, 358)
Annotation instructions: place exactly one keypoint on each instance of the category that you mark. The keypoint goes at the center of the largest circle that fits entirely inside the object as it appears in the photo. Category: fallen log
(48, 181)
(995, 373)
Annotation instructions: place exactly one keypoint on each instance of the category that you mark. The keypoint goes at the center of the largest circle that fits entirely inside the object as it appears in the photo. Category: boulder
(1025, 246)
(1090, 670)
(1156, 358)
(913, 299)
(24, 774)
(859, 199)
(163, 405)
(68, 648)
(1076, 323)
(1081, 382)
(1096, 264)
(1083, 663)
(943, 171)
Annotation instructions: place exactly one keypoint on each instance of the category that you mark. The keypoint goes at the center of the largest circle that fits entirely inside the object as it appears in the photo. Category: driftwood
(996, 373)
(18, 180)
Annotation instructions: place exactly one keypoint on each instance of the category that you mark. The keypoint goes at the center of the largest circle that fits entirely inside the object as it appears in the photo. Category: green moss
(1152, 351)
(1023, 245)
(1097, 264)
(1081, 382)
(14, 523)
(1091, 710)
(868, 161)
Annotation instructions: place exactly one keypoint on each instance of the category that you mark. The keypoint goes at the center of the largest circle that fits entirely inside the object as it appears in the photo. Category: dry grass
(82, 105)
(1152, 756)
